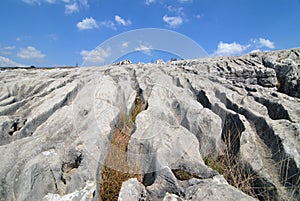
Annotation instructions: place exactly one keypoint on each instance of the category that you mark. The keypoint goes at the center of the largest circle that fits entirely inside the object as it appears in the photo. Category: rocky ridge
(56, 126)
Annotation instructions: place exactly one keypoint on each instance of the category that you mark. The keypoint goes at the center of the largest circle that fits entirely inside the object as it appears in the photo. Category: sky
(52, 33)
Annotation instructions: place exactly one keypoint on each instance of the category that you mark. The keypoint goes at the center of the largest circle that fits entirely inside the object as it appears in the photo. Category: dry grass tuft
(116, 169)
(234, 172)
(239, 175)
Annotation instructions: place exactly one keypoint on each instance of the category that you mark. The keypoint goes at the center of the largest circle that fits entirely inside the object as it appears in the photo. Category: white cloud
(265, 43)
(84, 3)
(148, 2)
(71, 8)
(173, 22)
(51, 1)
(108, 24)
(38, 1)
(87, 23)
(122, 21)
(31, 1)
(177, 10)
(112, 25)
(6, 62)
(30, 53)
(9, 48)
(144, 47)
(198, 17)
(185, 1)
(230, 48)
(256, 50)
(95, 56)
(125, 44)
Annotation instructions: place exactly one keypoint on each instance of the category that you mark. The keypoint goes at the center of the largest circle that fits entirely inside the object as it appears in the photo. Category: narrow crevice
(69, 167)
(260, 187)
(203, 99)
(177, 83)
(276, 111)
(16, 125)
(200, 96)
(116, 168)
(55, 183)
(231, 133)
(12, 108)
(237, 172)
(284, 165)
(30, 126)
(19, 103)
(184, 175)
(10, 100)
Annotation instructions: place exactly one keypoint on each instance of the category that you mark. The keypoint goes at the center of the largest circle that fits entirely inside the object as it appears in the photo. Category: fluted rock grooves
(223, 128)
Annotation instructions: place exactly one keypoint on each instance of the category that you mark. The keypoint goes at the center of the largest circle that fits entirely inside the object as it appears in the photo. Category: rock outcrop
(56, 127)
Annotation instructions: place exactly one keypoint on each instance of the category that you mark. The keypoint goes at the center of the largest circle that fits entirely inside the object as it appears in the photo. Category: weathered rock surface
(56, 126)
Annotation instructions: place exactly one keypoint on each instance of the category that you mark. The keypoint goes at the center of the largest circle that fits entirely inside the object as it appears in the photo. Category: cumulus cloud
(125, 44)
(71, 8)
(30, 53)
(6, 62)
(122, 21)
(148, 2)
(84, 3)
(256, 50)
(144, 47)
(39, 1)
(95, 56)
(178, 10)
(230, 48)
(185, 1)
(51, 1)
(87, 23)
(198, 17)
(174, 21)
(31, 1)
(254, 45)
(262, 42)
(9, 48)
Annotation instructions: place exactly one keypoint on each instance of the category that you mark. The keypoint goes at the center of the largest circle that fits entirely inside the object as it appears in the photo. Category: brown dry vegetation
(116, 169)
(243, 178)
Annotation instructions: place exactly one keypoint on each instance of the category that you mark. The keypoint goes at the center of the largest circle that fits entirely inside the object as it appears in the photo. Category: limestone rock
(124, 62)
(56, 127)
(132, 190)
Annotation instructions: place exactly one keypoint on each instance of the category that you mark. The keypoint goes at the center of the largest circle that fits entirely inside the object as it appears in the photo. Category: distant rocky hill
(224, 128)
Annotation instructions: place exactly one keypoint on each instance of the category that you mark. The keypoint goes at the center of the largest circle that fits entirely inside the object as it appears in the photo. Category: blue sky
(66, 32)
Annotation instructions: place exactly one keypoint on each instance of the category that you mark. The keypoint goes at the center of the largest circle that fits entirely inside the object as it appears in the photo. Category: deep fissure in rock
(69, 167)
(116, 169)
(231, 133)
(276, 111)
(283, 164)
(236, 172)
